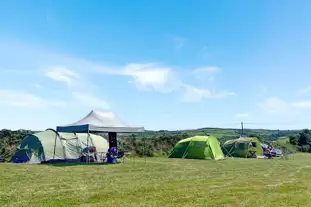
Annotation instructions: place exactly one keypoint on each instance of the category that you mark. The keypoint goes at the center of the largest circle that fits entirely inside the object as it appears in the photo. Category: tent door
(72, 148)
(112, 137)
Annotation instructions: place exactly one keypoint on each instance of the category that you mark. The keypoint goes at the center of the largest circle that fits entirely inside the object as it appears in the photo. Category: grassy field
(160, 182)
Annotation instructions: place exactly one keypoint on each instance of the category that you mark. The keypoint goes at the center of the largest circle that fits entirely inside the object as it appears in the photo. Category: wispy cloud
(90, 100)
(152, 77)
(23, 99)
(302, 104)
(304, 90)
(193, 94)
(241, 115)
(274, 105)
(38, 86)
(203, 52)
(27, 100)
(277, 105)
(208, 72)
(179, 42)
(262, 91)
(146, 76)
(63, 75)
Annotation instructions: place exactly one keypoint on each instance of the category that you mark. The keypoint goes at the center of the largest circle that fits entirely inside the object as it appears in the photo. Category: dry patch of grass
(160, 182)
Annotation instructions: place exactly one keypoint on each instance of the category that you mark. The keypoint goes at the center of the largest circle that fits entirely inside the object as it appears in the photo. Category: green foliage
(158, 143)
(257, 136)
(286, 148)
(293, 139)
(9, 140)
(302, 140)
(304, 137)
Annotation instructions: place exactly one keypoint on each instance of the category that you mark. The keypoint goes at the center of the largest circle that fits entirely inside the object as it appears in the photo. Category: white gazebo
(100, 122)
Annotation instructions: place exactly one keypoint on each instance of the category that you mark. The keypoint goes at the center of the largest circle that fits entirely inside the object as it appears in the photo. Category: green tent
(197, 147)
(243, 147)
(50, 145)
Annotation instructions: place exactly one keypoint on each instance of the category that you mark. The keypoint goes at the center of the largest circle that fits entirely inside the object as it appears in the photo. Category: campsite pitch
(160, 182)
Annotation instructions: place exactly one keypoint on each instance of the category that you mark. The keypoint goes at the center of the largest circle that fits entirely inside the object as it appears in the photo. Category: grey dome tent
(101, 122)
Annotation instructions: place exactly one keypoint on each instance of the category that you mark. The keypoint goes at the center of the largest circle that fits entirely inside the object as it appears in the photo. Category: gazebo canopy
(97, 121)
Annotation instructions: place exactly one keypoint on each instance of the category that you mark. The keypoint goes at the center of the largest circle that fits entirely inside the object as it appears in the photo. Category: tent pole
(54, 146)
(87, 145)
(144, 147)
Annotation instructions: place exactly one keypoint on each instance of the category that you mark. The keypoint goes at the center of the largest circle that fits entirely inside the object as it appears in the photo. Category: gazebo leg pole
(54, 146)
(144, 147)
(87, 145)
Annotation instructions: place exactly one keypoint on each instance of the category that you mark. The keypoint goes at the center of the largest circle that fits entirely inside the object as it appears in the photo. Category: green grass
(283, 140)
(160, 182)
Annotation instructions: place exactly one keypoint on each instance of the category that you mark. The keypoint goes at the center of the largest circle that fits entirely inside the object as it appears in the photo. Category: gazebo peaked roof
(98, 121)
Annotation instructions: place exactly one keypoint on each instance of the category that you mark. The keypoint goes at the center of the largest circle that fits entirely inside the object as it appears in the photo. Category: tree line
(302, 140)
(158, 143)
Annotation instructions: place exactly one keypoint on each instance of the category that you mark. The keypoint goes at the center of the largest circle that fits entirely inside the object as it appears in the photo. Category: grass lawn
(160, 182)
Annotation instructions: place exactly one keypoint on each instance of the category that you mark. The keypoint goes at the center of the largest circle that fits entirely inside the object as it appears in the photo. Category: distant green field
(160, 182)
(283, 139)
(226, 133)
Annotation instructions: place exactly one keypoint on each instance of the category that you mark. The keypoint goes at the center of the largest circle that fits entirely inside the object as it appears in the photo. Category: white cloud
(203, 52)
(241, 115)
(152, 77)
(207, 72)
(36, 85)
(89, 100)
(64, 75)
(262, 91)
(26, 100)
(207, 69)
(302, 104)
(179, 42)
(304, 90)
(193, 94)
(74, 73)
(148, 76)
(274, 105)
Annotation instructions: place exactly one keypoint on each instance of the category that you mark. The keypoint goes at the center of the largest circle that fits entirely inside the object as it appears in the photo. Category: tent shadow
(68, 164)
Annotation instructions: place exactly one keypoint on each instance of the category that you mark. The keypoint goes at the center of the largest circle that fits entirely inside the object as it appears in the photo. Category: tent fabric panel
(100, 143)
(197, 147)
(258, 148)
(73, 128)
(72, 148)
(69, 146)
(196, 150)
(48, 139)
(93, 128)
(97, 121)
(22, 155)
(241, 147)
(33, 146)
(215, 148)
(179, 150)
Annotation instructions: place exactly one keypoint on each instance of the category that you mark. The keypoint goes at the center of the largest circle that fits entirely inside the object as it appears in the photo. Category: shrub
(288, 148)
(305, 148)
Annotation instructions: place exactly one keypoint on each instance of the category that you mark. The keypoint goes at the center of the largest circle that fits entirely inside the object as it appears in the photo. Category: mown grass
(160, 182)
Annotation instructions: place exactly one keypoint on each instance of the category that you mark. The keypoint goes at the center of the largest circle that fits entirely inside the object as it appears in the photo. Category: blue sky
(160, 64)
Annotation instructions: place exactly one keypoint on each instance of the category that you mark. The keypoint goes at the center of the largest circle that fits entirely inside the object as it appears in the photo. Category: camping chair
(120, 156)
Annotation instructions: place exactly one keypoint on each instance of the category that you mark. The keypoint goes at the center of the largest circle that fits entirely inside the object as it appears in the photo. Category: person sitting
(111, 155)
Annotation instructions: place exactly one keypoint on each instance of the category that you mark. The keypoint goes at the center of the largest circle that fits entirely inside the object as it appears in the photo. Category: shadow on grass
(68, 164)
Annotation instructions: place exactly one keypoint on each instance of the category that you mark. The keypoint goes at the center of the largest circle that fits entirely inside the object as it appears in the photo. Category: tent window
(254, 144)
(240, 145)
